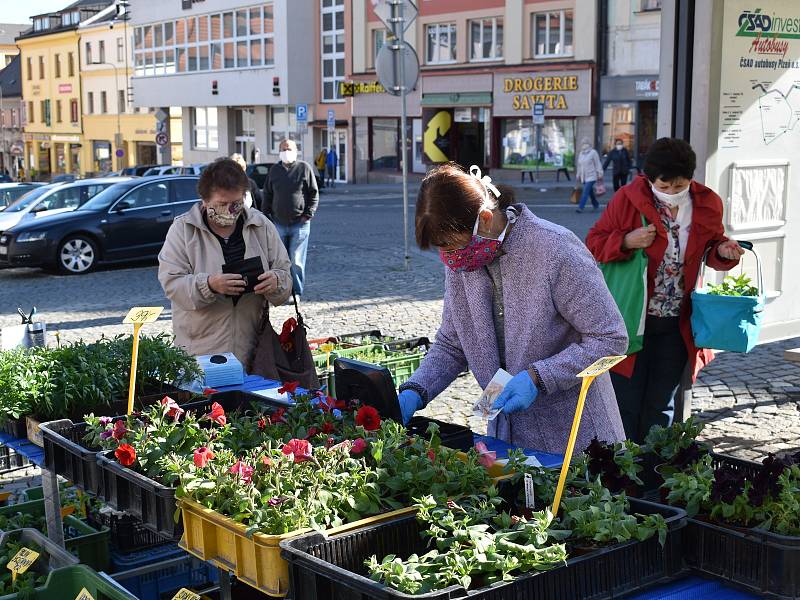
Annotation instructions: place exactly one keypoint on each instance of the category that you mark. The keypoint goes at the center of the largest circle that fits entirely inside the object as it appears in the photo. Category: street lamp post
(118, 139)
(2, 131)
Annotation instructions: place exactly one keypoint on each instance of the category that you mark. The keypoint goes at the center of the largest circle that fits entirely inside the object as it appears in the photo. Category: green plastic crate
(400, 364)
(66, 583)
(90, 545)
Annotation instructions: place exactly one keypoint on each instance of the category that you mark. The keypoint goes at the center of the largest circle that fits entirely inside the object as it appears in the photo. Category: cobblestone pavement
(357, 280)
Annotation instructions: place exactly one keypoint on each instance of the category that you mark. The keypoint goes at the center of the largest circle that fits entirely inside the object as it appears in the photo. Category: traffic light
(214, 88)
(276, 86)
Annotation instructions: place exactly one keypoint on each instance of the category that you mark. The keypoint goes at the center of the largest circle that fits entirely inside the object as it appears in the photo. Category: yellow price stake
(138, 315)
(588, 375)
(84, 595)
(21, 562)
(143, 314)
(327, 348)
(184, 594)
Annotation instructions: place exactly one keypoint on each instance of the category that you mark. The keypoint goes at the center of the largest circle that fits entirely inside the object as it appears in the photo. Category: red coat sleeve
(605, 237)
(715, 261)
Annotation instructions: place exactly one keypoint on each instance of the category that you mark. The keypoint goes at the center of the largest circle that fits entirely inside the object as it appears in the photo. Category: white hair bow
(486, 182)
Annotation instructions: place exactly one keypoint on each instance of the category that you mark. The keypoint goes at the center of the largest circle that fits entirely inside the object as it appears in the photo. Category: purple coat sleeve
(445, 360)
(581, 297)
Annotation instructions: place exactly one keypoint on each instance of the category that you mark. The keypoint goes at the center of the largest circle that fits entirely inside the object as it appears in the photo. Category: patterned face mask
(225, 216)
(481, 250)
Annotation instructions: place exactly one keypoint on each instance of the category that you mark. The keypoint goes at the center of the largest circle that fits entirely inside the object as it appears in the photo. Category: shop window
(486, 39)
(552, 34)
(378, 41)
(651, 5)
(384, 143)
(332, 12)
(441, 43)
(556, 144)
(204, 129)
(619, 122)
(283, 125)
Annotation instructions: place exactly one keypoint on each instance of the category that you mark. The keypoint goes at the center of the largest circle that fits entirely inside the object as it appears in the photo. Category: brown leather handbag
(285, 357)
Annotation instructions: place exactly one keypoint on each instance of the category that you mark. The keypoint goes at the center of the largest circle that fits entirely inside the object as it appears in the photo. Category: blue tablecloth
(693, 588)
(545, 458)
(25, 447)
(251, 383)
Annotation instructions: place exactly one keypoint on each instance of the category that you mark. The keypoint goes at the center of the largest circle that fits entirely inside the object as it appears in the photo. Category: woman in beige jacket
(210, 314)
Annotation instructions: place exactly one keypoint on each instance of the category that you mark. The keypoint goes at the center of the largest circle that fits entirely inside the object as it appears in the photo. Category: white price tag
(530, 495)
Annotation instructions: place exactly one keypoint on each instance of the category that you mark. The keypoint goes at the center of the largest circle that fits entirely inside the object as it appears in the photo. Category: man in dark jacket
(622, 163)
(290, 200)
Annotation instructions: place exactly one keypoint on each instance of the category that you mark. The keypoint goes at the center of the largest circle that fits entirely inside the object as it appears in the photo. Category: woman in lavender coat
(522, 294)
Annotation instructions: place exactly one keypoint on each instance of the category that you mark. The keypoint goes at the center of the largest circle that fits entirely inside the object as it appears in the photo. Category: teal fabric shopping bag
(627, 282)
(729, 323)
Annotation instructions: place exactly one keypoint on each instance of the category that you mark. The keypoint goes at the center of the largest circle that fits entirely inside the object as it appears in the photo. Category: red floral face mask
(479, 252)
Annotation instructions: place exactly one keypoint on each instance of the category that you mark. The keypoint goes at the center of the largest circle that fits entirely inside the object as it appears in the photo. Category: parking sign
(302, 113)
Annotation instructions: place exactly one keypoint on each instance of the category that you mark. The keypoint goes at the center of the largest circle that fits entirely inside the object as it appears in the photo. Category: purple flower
(276, 501)
(105, 421)
(106, 434)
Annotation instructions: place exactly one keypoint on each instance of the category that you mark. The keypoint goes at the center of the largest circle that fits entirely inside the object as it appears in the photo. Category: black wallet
(249, 269)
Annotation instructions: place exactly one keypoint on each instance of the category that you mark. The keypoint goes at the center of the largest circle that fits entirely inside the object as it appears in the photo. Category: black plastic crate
(333, 568)
(758, 560)
(409, 344)
(66, 455)
(128, 534)
(15, 427)
(11, 460)
(458, 437)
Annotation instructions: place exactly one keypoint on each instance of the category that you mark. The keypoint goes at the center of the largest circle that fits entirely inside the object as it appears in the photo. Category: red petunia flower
(368, 418)
(432, 455)
(126, 455)
(359, 445)
(244, 471)
(202, 456)
(119, 430)
(173, 410)
(327, 403)
(217, 414)
(277, 416)
(328, 427)
(289, 386)
(262, 423)
(300, 450)
(312, 432)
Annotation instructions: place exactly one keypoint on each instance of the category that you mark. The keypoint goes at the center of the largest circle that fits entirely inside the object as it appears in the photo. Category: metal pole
(398, 14)
(2, 130)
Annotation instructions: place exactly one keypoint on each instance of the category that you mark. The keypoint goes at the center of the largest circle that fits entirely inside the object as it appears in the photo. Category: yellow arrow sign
(588, 375)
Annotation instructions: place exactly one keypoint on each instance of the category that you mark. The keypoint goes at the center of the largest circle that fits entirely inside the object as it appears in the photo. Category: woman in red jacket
(684, 219)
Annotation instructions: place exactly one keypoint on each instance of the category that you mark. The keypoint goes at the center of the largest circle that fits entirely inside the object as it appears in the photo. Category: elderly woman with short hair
(210, 312)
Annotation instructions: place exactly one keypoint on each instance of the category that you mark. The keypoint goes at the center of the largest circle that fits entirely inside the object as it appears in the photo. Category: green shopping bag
(627, 282)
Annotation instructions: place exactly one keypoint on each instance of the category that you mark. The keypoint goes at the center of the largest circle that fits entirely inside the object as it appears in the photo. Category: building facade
(8, 47)
(116, 134)
(484, 64)
(50, 61)
(629, 82)
(11, 144)
(238, 70)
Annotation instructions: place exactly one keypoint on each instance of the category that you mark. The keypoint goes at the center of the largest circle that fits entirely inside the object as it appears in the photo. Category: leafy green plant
(25, 583)
(691, 489)
(734, 286)
(475, 546)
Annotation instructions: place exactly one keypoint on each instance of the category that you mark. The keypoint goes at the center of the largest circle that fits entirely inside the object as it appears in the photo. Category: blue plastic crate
(151, 573)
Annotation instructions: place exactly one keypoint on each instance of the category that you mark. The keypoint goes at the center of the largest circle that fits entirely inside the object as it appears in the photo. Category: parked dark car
(63, 178)
(127, 221)
(137, 170)
(258, 172)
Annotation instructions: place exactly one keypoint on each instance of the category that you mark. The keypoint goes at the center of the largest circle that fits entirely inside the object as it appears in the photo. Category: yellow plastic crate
(255, 560)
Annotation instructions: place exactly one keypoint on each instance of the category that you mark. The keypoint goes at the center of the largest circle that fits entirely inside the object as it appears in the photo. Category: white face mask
(619, 146)
(672, 200)
(288, 156)
(585, 147)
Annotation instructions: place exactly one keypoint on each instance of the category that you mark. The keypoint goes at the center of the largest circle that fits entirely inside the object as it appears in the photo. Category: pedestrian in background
(290, 200)
(589, 171)
(621, 160)
(683, 222)
(210, 312)
(320, 164)
(331, 162)
(252, 197)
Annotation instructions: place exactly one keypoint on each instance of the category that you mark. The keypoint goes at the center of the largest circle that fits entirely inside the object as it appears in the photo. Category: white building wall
(634, 39)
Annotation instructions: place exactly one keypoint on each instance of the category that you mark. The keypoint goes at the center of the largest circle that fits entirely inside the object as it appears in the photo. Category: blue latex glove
(518, 394)
(410, 402)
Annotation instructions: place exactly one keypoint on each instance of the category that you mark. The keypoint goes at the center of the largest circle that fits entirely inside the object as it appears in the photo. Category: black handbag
(285, 357)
